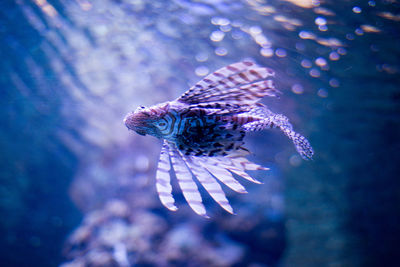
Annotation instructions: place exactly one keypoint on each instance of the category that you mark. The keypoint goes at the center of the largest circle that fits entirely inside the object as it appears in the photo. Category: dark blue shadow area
(35, 166)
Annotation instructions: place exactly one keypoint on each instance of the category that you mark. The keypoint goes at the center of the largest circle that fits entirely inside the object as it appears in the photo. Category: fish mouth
(127, 120)
(140, 132)
(132, 122)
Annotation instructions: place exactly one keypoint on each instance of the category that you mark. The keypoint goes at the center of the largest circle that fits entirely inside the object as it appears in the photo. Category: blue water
(77, 188)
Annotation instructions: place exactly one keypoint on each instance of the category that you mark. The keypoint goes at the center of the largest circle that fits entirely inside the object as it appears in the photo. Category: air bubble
(357, 9)
(225, 28)
(254, 30)
(217, 36)
(350, 36)
(321, 62)
(334, 82)
(334, 56)
(221, 51)
(342, 51)
(266, 52)
(323, 28)
(201, 71)
(280, 52)
(322, 93)
(201, 57)
(315, 73)
(220, 21)
(359, 31)
(305, 63)
(320, 21)
(297, 89)
(295, 160)
(306, 35)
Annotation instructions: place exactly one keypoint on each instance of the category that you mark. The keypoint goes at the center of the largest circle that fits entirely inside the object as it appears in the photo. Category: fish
(203, 133)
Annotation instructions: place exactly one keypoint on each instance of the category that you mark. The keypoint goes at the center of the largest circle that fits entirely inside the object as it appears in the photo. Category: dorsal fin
(241, 83)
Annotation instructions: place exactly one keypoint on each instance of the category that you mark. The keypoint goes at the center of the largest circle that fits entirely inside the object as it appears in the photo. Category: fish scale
(204, 130)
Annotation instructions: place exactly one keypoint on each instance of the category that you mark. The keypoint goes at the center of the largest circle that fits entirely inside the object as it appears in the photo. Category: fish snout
(136, 122)
(128, 120)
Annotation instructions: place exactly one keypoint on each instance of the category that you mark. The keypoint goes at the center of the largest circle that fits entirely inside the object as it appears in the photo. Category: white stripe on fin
(225, 162)
(221, 174)
(208, 182)
(163, 182)
(186, 183)
(242, 162)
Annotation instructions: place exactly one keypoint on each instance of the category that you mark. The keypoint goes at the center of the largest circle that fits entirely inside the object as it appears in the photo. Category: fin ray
(229, 165)
(239, 83)
(163, 179)
(208, 182)
(222, 174)
(185, 181)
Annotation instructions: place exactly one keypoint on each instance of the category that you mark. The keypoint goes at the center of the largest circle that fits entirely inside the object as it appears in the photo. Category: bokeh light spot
(297, 89)
(295, 160)
(321, 62)
(334, 56)
(359, 31)
(342, 51)
(217, 36)
(323, 93)
(320, 21)
(266, 52)
(305, 63)
(202, 57)
(315, 73)
(280, 52)
(202, 71)
(357, 9)
(221, 51)
(334, 82)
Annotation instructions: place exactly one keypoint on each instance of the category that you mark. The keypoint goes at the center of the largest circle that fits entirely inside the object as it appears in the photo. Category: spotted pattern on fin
(280, 121)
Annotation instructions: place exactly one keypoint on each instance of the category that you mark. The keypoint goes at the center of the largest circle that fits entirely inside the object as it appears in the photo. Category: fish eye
(140, 108)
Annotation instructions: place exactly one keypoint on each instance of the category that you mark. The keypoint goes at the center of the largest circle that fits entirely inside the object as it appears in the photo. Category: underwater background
(77, 189)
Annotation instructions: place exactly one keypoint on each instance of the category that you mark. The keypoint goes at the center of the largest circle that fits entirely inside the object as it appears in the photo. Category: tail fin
(280, 121)
(300, 142)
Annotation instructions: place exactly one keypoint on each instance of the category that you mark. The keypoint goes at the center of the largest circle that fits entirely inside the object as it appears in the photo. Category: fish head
(143, 120)
(138, 121)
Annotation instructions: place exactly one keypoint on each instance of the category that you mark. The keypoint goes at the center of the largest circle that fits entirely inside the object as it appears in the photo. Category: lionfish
(203, 133)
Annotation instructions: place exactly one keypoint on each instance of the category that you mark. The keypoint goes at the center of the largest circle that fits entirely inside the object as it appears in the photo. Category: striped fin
(163, 184)
(242, 162)
(269, 121)
(241, 83)
(186, 183)
(226, 163)
(218, 108)
(208, 182)
(221, 174)
(242, 94)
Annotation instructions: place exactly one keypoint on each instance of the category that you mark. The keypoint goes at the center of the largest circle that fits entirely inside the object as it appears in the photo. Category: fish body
(203, 132)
